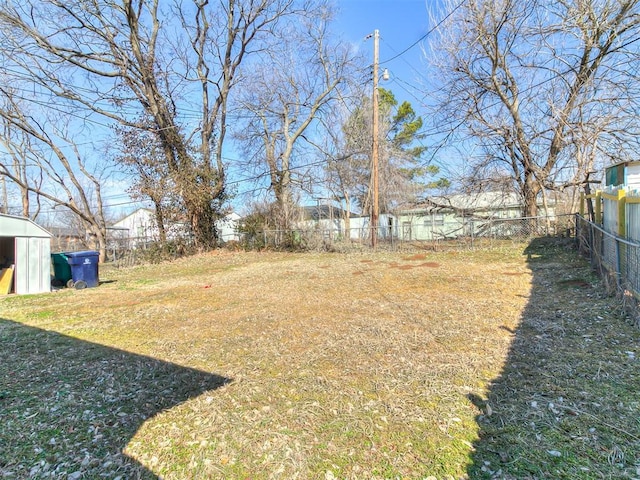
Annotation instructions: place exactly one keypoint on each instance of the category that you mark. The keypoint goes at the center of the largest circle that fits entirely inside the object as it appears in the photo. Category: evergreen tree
(404, 173)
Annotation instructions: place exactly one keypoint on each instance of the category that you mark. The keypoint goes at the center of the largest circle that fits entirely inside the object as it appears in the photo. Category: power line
(429, 32)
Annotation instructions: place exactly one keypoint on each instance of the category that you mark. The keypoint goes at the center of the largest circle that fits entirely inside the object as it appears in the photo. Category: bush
(157, 252)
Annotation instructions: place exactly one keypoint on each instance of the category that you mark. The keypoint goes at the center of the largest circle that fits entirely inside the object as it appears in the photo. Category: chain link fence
(616, 259)
(462, 233)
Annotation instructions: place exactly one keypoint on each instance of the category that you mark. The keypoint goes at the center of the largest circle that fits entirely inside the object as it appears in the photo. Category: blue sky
(401, 23)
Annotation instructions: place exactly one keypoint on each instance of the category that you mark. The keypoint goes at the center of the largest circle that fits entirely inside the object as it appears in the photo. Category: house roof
(231, 217)
(14, 226)
(474, 202)
(318, 212)
(144, 209)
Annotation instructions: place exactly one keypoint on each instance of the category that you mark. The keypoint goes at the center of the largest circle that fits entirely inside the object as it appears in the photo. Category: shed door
(33, 265)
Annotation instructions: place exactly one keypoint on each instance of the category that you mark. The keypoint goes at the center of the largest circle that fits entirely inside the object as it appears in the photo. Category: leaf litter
(324, 366)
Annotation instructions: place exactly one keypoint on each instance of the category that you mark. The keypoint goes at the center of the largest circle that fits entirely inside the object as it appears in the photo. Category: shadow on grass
(69, 407)
(566, 403)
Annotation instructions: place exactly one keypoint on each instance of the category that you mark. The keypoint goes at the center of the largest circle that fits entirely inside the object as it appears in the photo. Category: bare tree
(151, 180)
(404, 174)
(290, 94)
(121, 60)
(341, 180)
(48, 163)
(535, 83)
(17, 146)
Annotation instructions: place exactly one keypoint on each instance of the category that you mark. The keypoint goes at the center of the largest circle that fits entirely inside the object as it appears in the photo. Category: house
(227, 228)
(140, 228)
(618, 204)
(324, 218)
(459, 215)
(25, 256)
(360, 227)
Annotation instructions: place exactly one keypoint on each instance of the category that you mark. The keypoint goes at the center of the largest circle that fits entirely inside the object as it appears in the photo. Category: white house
(140, 227)
(488, 213)
(227, 228)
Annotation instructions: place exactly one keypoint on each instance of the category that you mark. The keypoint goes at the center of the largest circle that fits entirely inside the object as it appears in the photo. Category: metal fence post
(473, 228)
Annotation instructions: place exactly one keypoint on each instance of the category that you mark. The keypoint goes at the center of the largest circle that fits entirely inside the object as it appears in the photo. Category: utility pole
(375, 210)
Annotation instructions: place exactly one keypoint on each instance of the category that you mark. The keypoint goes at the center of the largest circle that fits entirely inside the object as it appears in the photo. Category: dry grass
(493, 364)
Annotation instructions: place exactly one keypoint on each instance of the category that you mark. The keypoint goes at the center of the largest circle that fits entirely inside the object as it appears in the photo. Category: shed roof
(14, 226)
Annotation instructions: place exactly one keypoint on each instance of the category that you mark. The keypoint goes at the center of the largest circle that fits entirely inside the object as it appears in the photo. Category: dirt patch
(404, 267)
(417, 256)
(430, 264)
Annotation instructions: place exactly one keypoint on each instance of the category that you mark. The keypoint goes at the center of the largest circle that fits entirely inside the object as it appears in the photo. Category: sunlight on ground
(347, 366)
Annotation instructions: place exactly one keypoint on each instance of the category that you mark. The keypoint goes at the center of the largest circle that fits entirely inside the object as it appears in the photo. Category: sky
(401, 24)
(404, 27)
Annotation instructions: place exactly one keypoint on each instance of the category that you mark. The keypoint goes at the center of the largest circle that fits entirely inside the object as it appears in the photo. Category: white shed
(624, 173)
(27, 247)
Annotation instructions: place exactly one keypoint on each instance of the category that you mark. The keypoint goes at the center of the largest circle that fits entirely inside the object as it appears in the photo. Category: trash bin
(84, 268)
(61, 270)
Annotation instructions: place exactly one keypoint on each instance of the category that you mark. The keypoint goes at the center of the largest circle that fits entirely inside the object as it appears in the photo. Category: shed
(27, 247)
(624, 173)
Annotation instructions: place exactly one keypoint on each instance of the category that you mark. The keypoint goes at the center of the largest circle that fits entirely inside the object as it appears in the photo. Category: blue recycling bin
(84, 268)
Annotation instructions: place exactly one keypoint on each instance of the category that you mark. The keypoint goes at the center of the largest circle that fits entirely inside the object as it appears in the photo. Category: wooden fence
(612, 234)
(616, 209)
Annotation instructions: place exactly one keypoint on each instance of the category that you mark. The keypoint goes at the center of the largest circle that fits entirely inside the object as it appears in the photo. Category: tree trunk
(202, 218)
(530, 190)
(347, 217)
(162, 233)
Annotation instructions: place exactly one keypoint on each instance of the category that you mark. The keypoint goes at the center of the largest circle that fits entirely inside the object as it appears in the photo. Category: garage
(25, 256)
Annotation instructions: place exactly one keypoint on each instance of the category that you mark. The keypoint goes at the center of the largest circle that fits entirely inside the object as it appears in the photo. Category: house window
(438, 219)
